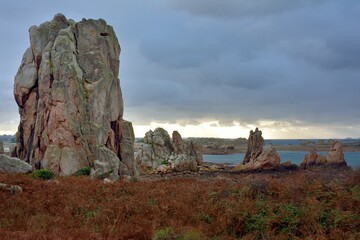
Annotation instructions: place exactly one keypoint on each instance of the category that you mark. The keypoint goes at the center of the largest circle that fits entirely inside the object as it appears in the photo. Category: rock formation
(336, 154)
(256, 157)
(313, 158)
(268, 159)
(334, 158)
(69, 98)
(2, 148)
(13, 165)
(160, 153)
(255, 146)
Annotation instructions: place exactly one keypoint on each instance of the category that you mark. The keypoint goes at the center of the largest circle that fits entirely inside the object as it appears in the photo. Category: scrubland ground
(304, 204)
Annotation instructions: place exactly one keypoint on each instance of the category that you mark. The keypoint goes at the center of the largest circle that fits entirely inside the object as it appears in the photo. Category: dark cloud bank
(190, 61)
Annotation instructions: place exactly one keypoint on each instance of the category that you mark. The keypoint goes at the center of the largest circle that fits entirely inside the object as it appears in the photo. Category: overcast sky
(216, 68)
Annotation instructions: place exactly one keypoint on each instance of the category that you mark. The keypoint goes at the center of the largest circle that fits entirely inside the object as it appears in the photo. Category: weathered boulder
(2, 148)
(256, 157)
(336, 155)
(334, 158)
(268, 159)
(161, 154)
(183, 162)
(69, 97)
(13, 165)
(105, 169)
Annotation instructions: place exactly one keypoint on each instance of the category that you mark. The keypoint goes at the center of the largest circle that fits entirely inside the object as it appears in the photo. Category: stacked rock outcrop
(257, 157)
(160, 153)
(69, 97)
(334, 158)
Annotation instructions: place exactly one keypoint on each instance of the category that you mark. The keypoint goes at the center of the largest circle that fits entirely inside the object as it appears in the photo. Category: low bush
(83, 171)
(163, 234)
(43, 174)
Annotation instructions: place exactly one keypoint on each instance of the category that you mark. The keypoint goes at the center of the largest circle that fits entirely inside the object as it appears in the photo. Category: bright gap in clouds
(205, 129)
(270, 129)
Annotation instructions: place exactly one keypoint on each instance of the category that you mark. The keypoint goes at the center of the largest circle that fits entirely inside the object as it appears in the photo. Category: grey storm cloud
(240, 8)
(188, 61)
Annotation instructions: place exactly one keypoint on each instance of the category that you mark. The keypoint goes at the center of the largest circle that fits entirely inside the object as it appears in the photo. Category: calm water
(352, 158)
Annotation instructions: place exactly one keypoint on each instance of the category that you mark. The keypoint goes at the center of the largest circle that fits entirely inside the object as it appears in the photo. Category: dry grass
(237, 206)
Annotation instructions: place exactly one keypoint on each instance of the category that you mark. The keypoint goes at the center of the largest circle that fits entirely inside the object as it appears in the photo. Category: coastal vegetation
(306, 204)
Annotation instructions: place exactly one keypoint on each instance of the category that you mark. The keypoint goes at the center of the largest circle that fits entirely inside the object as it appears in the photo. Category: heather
(305, 204)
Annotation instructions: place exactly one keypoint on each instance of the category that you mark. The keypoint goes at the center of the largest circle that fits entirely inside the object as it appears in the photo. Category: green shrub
(163, 234)
(104, 175)
(190, 235)
(164, 162)
(288, 219)
(83, 171)
(43, 174)
(134, 179)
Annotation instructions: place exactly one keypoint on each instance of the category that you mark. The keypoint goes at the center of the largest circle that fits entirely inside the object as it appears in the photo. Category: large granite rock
(257, 157)
(268, 159)
(13, 165)
(334, 158)
(336, 155)
(69, 97)
(2, 148)
(160, 153)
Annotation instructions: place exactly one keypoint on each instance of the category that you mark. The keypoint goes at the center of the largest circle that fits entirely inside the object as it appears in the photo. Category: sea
(296, 157)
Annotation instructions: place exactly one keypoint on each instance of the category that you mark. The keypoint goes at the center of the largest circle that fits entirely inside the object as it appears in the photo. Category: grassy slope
(253, 206)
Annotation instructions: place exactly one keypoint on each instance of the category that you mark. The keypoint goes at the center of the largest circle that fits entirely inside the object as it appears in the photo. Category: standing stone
(256, 157)
(69, 96)
(255, 146)
(177, 143)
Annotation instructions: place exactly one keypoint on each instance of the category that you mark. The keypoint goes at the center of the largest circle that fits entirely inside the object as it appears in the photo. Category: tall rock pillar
(69, 96)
